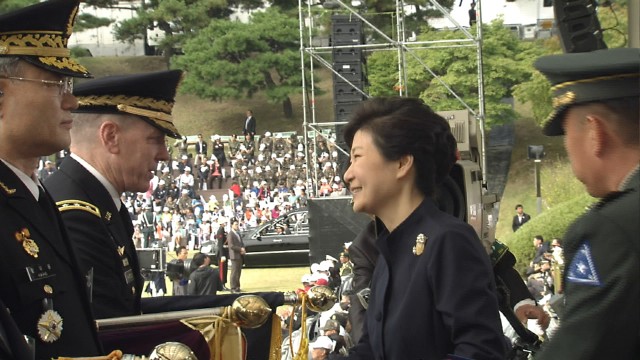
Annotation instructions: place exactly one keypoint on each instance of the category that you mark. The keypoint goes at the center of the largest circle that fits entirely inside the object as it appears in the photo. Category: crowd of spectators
(265, 176)
(328, 332)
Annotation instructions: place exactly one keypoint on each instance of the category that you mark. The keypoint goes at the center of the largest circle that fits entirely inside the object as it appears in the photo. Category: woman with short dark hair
(432, 291)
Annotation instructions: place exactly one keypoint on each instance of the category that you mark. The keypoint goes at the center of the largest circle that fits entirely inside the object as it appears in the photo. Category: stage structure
(464, 194)
(350, 85)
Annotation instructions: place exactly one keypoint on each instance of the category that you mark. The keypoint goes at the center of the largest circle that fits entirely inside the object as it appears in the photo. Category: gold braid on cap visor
(569, 97)
(34, 44)
(162, 108)
(135, 105)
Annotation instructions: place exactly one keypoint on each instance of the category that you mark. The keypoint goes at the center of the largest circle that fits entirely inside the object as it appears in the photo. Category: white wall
(101, 41)
(521, 12)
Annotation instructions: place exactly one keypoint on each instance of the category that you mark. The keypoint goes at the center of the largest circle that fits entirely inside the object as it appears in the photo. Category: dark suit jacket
(201, 148)
(12, 342)
(515, 224)
(363, 254)
(98, 237)
(56, 275)
(249, 127)
(446, 294)
(235, 243)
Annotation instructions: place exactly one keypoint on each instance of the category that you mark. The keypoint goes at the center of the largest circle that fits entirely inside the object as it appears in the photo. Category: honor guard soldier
(117, 140)
(595, 100)
(41, 286)
(346, 267)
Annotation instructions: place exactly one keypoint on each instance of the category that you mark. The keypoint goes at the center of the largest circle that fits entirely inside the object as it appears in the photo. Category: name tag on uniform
(39, 272)
(128, 275)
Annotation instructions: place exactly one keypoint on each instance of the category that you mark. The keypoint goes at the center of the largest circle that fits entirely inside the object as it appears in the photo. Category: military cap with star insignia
(580, 78)
(39, 34)
(148, 95)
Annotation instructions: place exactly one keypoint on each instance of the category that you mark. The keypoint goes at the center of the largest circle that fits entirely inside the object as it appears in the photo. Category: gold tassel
(275, 349)
(303, 350)
(223, 337)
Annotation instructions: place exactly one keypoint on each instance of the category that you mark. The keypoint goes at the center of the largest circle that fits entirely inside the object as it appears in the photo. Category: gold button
(48, 289)
(133, 290)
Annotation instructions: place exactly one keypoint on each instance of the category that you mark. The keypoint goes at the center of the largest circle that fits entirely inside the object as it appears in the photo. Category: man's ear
(110, 136)
(598, 135)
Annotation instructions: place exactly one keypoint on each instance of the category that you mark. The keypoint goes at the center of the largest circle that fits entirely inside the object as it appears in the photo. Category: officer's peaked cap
(38, 34)
(579, 78)
(148, 95)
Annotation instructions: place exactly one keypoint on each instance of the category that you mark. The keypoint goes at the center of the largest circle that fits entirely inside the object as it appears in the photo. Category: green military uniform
(602, 292)
(274, 164)
(601, 315)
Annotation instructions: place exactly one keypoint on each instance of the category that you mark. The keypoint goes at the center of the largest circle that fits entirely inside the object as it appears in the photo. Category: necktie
(126, 220)
(48, 208)
(126, 264)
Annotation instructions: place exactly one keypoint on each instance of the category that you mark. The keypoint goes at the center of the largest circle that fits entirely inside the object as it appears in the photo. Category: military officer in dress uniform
(595, 99)
(346, 267)
(41, 286)
(117, 139)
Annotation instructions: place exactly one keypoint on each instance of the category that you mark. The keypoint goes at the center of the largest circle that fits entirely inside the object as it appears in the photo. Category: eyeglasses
(65, 86)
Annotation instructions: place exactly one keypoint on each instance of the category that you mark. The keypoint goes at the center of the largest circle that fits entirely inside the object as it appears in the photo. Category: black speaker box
(345, 93)
(578, 25)
(344, 110)
(350, 71)
(346, 30)
(348, 55)
(332, 223)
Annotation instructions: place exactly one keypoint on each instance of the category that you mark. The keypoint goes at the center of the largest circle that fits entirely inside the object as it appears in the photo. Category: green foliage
(229, 59)
(560, 183)
(614, 21)
(551, 223)
(78, 52)
(86, 21)
(178, 19)
(10, 5)
(505, 64)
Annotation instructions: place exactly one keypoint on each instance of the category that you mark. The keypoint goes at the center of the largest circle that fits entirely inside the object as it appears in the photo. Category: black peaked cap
(148, 95)
(38, 34)
(579, 78)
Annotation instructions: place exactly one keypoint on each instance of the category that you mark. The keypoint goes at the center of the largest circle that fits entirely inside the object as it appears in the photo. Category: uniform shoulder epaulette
(67, 205)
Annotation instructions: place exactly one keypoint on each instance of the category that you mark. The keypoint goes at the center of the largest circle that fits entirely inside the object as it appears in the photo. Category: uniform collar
(628, 181)
(110, 188)
(28, 181)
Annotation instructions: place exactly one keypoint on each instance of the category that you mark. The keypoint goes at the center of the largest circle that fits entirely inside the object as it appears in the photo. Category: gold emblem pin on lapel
(50, 326)
(421, 240)
(29, 245)
(108, 216)
(121, 250)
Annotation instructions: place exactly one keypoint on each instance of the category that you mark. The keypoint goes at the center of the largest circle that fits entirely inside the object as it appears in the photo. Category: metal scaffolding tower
(312, 51)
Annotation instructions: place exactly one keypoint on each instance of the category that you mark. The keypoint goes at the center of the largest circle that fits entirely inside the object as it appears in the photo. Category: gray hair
(9, 65)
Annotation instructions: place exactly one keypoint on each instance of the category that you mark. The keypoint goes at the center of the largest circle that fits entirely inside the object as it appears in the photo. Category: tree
(504, 65)
(10, 5)
(229, 59)
(177, 19)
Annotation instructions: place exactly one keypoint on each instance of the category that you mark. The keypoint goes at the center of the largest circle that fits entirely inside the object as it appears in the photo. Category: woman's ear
(405, 165)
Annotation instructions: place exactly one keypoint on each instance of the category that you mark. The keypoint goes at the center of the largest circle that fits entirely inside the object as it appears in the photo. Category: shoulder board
(6, 189)
(498, 250)
(67, 205)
